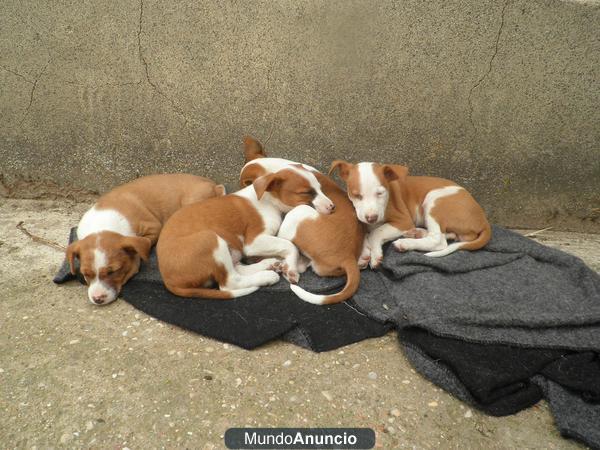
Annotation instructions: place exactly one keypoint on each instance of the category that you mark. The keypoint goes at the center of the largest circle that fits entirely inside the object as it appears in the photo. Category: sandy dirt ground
(74, 375)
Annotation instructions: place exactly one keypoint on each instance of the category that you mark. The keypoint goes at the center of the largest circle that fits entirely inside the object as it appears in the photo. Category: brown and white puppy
(124, 224)
(332, 243)
(426, 211)
(202, 244)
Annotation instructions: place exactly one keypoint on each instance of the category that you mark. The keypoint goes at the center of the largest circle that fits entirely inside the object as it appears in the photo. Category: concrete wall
(502, 96)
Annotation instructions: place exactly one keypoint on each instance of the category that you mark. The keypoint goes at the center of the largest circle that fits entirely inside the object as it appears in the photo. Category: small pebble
(395, 412)
(327, 395)
(238, 382)
(74, 341)
(89, 425)
(287, 363)
(405, 381)
(468, 414)
(372, 375)
(432, 404)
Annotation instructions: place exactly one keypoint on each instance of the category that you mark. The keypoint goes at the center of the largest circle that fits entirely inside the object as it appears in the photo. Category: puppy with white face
(368, 187)
(425, 212)
(107, 260)
(258, 164)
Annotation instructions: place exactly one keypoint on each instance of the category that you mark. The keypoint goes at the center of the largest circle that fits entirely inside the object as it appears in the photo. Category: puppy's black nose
(99, 299)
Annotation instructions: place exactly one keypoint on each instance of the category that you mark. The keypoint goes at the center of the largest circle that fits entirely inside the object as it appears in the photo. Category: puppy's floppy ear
(393, 172)
(250, 173)
(266, 183)
(343, 167)
(137, 245)
(72, 253)
(253, 149)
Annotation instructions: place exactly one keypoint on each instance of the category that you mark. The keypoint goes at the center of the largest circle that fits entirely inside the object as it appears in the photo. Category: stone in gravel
(395, 412)
(405, 381)
(287, 363)
(74, 341)
(327, 395)
(432, 404)
(89, 425)
(372, 375)
(468, 414)
(66, 437)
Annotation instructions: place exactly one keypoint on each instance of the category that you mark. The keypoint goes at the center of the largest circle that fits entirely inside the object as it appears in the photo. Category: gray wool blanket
(514, 291)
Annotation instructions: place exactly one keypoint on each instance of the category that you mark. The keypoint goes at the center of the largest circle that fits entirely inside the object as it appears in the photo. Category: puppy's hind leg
(265, 264)
(233, 279)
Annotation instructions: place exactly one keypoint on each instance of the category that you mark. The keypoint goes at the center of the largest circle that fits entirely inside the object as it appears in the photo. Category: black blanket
(250, 321)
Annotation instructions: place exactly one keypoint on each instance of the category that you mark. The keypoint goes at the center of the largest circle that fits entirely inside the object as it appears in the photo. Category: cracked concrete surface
(73, 375)
(500, 96)
(480, 80)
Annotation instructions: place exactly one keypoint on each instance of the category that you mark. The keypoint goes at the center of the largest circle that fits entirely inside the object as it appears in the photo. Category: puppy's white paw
(290, 274)
(376, 259)
(269, 277)
(398, 245)
(415, 233)
(273, 264)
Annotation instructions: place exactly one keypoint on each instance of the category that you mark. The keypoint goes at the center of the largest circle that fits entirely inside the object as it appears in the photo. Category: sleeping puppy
(425, 211)
(202, 244)
(332, 244)
(123, 225)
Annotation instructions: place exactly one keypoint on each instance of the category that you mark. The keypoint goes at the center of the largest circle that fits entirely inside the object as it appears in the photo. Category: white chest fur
(269, 213)
(96, 220)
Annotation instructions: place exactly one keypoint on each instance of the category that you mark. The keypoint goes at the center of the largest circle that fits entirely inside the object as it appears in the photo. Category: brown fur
(186, 245)
(122, 252)
(334, 242)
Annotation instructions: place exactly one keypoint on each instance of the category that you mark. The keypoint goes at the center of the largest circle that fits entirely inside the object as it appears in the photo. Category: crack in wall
(23, 77)
(32, 93)
(490, 65)
(152, 84)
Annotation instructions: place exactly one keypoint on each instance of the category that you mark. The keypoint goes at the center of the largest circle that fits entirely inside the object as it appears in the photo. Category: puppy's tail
(352, 281)
(481, 240)
(220, 294)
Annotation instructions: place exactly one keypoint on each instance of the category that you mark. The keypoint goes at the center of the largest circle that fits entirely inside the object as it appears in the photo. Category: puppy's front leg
(379, 236)
(264, 245)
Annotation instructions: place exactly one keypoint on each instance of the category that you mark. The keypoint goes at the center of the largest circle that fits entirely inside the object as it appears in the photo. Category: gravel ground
(75, 375)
